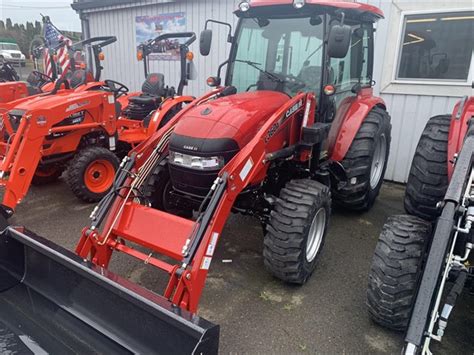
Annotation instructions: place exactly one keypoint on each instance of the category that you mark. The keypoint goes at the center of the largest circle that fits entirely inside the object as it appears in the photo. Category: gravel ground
(257, 313)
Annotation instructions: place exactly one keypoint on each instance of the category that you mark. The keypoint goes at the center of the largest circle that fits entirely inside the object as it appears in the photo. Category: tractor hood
(233, 119)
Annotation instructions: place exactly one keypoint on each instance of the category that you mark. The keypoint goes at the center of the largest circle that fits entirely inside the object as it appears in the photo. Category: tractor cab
(154, 91)
(279, 50)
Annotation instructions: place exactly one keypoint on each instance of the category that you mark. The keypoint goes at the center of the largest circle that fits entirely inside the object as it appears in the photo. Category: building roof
(93, 4)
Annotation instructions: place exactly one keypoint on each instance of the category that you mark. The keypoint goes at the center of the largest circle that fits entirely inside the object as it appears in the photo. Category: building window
(436, 47)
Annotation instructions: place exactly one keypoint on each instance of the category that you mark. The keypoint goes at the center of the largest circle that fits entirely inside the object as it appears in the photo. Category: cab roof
(351, 8)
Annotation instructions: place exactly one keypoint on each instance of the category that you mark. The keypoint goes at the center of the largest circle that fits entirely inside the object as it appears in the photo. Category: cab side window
(355, 67)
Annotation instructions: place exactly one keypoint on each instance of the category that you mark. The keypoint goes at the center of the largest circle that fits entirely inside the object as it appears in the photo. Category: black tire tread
(358, 161)
(75, 175)
(396, 269)
(428, 179)
(284, 242)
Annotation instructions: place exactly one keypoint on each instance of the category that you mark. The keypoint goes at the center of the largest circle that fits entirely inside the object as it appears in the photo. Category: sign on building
(150, 27)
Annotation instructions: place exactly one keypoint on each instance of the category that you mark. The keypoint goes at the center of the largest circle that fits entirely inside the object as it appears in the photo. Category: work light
(244, 6)
(298, 4)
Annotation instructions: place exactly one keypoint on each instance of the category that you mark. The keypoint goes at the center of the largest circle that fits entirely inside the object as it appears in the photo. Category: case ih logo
(294, 109)
(190, 147)
(274, 128)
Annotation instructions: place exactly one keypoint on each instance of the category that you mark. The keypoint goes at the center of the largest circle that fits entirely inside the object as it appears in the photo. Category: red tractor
(423, 259)
(294, 127)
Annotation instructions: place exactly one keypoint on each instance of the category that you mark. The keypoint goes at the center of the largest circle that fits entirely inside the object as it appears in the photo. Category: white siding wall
(121, 63)
(409, 112)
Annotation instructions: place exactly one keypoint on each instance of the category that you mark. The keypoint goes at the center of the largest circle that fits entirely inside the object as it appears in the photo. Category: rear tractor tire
(365, 162)
(428, 179)
(396, 270)
(91, 173)
(296, 230)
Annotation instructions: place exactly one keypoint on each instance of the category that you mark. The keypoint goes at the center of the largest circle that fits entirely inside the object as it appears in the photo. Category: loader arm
(25, 148)
(456, 218)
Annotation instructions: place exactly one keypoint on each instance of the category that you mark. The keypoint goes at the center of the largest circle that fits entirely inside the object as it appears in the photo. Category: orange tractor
(76, 127)
(72, 127)
(294, 128)
(151, 109)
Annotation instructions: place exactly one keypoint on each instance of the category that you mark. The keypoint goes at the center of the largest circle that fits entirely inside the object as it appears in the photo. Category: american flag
(55, 41)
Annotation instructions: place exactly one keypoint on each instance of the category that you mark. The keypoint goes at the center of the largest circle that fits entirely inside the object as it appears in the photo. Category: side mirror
(205, 42)
(339, 41)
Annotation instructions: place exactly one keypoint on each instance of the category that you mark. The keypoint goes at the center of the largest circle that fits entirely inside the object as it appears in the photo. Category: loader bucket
(51, 301)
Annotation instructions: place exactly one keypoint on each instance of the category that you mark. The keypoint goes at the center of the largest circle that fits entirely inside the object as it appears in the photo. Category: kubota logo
(77, 105)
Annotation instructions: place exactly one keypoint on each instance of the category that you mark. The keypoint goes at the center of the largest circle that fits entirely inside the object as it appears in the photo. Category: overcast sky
(60, 12)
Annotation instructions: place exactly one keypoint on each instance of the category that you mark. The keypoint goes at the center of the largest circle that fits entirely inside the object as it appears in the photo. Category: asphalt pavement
(256, 312)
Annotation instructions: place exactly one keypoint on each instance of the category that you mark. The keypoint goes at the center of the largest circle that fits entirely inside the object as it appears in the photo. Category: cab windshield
(278, 54)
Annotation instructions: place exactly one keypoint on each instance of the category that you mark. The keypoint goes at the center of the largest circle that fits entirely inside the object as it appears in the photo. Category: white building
(423, 55)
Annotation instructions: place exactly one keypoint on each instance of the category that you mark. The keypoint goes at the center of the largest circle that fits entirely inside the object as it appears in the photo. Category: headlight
(197, 163)
(6, 55)
(22, 56)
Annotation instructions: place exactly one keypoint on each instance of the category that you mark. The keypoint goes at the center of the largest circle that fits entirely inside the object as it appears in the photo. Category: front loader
(293, 127)
(423, 259)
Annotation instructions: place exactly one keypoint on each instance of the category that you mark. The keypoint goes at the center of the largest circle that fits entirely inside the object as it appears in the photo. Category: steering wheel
(294, 83)
(9, 70)
(42, 77)
(117, 88)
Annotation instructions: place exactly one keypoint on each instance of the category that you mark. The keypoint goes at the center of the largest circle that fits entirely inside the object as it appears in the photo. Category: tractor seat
(80, 77)
(153, 91)
(146, 100)
(310, 75)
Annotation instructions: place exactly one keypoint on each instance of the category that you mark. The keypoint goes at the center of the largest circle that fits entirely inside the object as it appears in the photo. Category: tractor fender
(167, 106)
(462, 113)
(349, 118)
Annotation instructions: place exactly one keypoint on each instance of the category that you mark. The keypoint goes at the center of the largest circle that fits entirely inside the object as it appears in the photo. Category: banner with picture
(150, 27)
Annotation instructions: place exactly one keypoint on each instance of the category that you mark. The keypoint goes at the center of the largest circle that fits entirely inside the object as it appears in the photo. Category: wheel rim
(316, 233)
(378, 162)
(99, 176)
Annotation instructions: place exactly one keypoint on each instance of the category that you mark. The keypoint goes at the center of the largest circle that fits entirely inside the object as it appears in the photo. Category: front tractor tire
(296, 230)
(365, 162)
(157, 192)
(396, 270)
(91, 173)
(428, 179)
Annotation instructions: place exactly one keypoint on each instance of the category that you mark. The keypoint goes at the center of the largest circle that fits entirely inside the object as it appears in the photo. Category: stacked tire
(403, 245)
